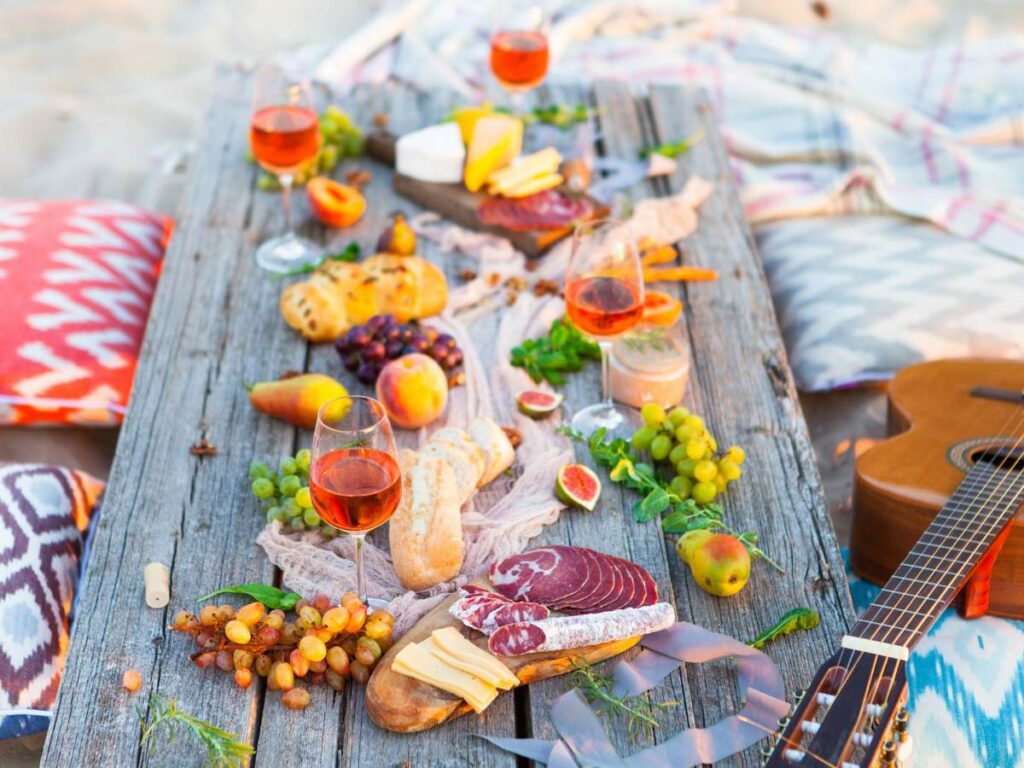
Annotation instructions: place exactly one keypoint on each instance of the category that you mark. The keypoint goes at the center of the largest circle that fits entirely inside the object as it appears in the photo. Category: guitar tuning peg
(783, 722)
(798, 695)
(901, 724)
(888, 756)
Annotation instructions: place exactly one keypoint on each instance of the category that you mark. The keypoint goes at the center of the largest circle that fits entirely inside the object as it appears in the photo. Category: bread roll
(339, 295)
(426, 530)
(496, 446)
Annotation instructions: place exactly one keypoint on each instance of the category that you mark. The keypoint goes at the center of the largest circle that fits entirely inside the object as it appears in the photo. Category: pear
(720, 563)
(398, 237)
(296, 399)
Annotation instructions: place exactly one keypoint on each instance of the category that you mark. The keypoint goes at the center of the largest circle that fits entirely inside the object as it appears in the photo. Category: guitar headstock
(853, 715)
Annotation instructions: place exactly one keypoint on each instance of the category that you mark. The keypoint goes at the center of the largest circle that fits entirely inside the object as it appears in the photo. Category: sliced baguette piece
(461, 460)
(426, 530)
(463, 439)
(496, 446)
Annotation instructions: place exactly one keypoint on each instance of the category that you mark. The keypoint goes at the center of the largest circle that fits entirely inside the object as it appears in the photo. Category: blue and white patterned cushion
(43, 513)
(860, 297)
(966, 681)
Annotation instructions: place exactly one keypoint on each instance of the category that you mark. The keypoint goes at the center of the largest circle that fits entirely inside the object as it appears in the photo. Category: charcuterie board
(402, 704)
(455, 203)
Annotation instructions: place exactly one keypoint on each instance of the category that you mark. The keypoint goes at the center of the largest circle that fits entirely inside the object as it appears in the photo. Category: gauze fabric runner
(583, 741)
(501, 518)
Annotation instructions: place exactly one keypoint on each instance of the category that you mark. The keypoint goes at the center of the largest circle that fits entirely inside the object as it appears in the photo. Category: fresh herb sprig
(796, 619)
(600, 689)
(559, 115)
(673, 148)
(683, 515)
(223, 749)
(349, 253)
(548, 358)
(271, 597)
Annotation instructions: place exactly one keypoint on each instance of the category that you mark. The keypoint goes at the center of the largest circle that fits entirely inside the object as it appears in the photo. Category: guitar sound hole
(1004, 458)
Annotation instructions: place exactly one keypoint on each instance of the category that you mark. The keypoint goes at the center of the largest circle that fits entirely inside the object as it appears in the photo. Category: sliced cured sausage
(552, 209)
(546, 575)
(515, 613)
(567, 632)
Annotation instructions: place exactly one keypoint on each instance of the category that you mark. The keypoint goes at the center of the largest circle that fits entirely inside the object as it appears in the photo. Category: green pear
(720, 563)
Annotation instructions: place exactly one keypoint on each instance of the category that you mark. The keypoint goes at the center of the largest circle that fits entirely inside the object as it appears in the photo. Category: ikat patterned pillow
(76, 279)
(860, 297)
(44, 511)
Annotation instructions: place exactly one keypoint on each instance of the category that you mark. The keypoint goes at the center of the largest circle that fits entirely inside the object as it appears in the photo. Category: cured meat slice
(568, 632)
(551, 209)
(546, 575)
(515, 613)
(595, 585)
(475, 589)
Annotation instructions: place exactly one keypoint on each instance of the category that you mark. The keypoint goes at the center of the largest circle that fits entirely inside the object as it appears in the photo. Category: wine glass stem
(286, 199)
(360, 572)
(606, 376)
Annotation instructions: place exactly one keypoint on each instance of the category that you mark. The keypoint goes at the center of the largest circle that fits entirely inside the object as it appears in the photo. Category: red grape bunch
(325, 644)
(367, 348)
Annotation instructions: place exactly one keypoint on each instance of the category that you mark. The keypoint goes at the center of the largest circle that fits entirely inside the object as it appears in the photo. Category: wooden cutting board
(456, 203)
(399, 703)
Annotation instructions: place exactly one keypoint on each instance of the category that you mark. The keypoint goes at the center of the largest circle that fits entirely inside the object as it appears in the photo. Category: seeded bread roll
(426, 530)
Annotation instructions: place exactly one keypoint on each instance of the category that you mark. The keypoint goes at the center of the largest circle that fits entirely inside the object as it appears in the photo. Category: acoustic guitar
(934, 505)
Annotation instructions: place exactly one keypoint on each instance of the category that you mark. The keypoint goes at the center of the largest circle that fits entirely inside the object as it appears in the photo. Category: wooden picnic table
(215, 324)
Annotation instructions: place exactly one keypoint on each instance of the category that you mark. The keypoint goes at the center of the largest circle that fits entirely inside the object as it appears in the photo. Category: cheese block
(433, 154)
(451, 647)
(496, 141)
(417, 662)
(535, 185)
(541, 163)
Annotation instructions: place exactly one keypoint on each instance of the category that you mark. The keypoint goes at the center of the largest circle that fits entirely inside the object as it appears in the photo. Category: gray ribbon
(583, 742)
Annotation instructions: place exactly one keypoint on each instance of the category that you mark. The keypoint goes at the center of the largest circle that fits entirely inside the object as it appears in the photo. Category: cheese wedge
(535, 185)
(453, 649)
(496, 141)
(417, 662)
(541, 163)
(434, 154)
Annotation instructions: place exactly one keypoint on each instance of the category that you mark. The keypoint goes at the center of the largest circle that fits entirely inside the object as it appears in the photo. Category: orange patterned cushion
(76, 279)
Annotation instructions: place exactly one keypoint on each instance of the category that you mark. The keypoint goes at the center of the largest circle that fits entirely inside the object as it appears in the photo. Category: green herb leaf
(652, 505)
(599, 689)
(562, 351)
(223, 749)
(673, 148)
(349, 253)
(796, 619)
(272, 597)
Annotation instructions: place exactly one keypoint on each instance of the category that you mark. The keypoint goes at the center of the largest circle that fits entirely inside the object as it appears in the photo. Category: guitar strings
(1002, 478)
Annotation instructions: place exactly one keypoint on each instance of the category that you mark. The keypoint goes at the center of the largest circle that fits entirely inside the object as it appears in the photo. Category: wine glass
(604, 298)
(519, 47)
(354, 479)
(284, 135)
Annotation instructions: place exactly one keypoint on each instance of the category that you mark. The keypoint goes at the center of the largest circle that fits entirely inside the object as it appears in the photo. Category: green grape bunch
(682, 440)
(340, 137)
(284, 495)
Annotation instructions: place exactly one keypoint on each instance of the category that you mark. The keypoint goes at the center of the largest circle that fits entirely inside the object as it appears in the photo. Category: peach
(413, 389)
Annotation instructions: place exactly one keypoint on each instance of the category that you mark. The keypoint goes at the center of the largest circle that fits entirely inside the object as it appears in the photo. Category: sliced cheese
(451, 647)
(433, 154)
(417, 662)
(540, 163)
(496, 141)
(535, 185)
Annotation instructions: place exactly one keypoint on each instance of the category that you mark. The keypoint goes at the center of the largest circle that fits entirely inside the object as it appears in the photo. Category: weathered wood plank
(742, 386)
(209, 332)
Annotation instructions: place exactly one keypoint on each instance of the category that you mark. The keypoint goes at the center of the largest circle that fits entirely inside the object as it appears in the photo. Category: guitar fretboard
(945, 555)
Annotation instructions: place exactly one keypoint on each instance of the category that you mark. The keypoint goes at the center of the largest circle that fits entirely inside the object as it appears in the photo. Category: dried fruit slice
(537, 404)
(579, 486)
(660, 308)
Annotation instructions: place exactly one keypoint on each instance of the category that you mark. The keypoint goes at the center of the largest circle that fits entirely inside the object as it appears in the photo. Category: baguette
(496, 446)
(339, 295)
(426, 530)
(466, 457)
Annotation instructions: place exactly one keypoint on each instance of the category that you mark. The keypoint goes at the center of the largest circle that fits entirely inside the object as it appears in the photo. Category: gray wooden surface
(214, 324)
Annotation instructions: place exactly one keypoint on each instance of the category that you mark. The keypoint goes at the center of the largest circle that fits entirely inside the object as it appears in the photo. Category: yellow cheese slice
(534, 185)
(525, 168)
(417, 662)
(496, 141)
(456, 651)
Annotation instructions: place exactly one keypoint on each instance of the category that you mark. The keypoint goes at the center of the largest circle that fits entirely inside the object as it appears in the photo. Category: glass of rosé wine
(604, 298)
(284, 135)
(354, 479)
(519, 47)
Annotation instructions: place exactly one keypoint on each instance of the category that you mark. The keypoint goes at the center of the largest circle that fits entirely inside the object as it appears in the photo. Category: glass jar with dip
(651, 364)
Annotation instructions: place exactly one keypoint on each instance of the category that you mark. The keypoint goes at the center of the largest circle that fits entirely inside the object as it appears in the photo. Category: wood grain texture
(214, 324)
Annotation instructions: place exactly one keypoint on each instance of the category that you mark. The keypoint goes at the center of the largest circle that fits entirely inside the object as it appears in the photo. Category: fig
(398, 237)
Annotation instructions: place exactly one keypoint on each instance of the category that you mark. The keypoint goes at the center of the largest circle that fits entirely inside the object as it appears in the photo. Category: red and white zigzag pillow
(76, 281)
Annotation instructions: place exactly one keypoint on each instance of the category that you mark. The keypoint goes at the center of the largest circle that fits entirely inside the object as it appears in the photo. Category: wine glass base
(288, 253)
(376, 604)
(617, 421)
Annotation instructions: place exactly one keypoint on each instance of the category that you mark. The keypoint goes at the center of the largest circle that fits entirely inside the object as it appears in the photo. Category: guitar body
(902, 483)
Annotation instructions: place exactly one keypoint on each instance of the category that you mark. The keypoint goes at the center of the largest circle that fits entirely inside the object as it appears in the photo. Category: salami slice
(475, 589)
(546, 575)
(551, 209)
(515, 613)
(568, 632)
